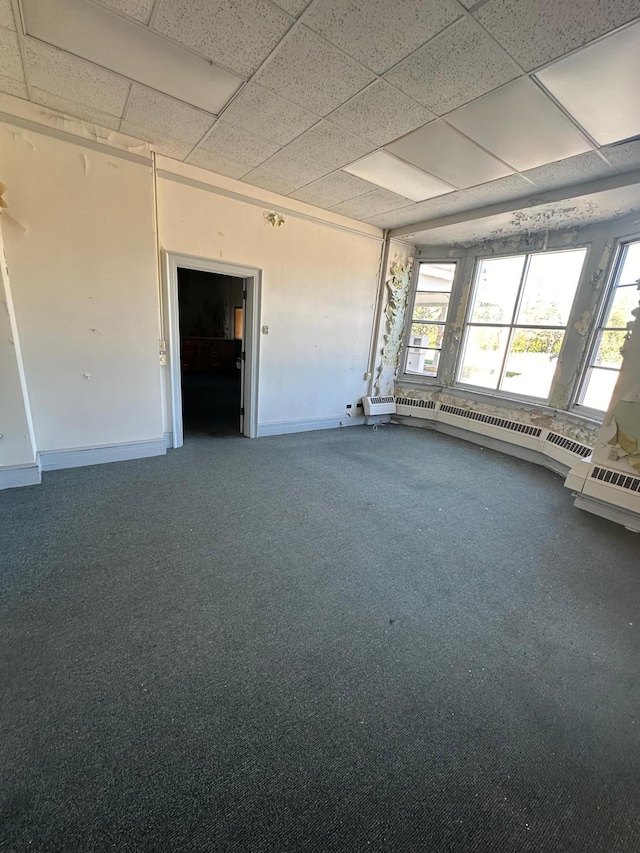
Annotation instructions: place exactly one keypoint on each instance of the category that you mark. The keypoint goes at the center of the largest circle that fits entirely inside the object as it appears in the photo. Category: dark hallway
(211, 347)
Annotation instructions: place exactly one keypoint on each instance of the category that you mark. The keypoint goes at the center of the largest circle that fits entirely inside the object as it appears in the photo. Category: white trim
(77, 457)
(171, 262)
(249, 199)
(168, 440)
(75, 139)
(286, 427)
(19, 475)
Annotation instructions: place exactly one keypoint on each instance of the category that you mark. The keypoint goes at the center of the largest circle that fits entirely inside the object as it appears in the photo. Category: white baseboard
(53, 460)
(19, 475)
(286, 427)
(168, 440)
(628, 519)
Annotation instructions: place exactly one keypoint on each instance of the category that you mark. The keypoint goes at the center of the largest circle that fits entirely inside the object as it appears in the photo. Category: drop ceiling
(388, 111)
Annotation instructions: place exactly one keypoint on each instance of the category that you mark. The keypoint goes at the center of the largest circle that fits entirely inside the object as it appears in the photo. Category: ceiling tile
(11, 64)
(377, 201)
(573, 170)
(13, 87)
(450, 156)
(455, 67)
(429, 209)
(625, 156)
(387, 171)
(505, 189)
(540, 30)
(236, 144)
(520, 125)
(309, 71)
(177, 149)
(164, 116)
(237, 34)
(140, 10)
(217, 163)
(82, 82)
(379, 33)
(333, 189)
(598, 86)
(123, 46)
(293, 7)
(79, 111)
(380, 113)
(268, 115)
(394, 218)
(330, 146)
(6, 15)
(285, 172)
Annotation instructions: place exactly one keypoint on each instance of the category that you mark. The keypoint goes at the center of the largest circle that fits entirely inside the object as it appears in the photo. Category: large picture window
(428, 318)
(603, 364)
(518, 314)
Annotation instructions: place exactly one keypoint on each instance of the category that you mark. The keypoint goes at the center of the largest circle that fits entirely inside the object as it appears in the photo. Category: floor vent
(514, 426)
(415, 404)
(567, 444)
(616, 478)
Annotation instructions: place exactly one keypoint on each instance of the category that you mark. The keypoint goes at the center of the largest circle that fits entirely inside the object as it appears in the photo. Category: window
(428, 318)
(604, 360)
(517, 320)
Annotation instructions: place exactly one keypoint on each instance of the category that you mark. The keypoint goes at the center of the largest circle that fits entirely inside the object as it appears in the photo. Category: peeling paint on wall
(563, 423)
(582, 324)
(397, 288)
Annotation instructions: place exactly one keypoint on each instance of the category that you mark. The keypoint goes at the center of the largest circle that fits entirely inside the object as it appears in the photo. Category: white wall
(318, 293)
(81, 253)
(16, 440)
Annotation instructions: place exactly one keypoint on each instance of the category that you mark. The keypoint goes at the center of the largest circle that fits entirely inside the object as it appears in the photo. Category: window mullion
(505, 357)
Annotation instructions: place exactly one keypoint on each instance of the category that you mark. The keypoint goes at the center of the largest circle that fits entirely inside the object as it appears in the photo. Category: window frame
(513, 327)
(436, 378)
(606, 301)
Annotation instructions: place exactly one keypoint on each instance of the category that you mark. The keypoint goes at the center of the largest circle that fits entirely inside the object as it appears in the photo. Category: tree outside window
(517, 320)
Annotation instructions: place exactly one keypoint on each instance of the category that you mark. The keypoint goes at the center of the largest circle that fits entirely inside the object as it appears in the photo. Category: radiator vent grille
(526, 429)
(616, 479)
(417, 404)
(378, 400)
(568, 444)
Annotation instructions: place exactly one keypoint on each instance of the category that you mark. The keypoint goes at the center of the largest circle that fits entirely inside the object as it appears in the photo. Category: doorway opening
(211, 309)
(211, 322)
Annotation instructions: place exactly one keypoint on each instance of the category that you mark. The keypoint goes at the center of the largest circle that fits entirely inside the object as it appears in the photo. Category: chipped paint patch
(582, 324)
(397, 288)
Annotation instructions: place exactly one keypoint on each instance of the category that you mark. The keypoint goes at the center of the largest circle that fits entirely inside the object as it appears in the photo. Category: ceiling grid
(332, 101)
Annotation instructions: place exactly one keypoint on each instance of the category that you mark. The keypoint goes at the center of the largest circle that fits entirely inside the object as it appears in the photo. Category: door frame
(171, 261)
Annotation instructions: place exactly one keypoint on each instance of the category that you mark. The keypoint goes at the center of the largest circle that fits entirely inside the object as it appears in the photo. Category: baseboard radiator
(557, 447)
(604, 491)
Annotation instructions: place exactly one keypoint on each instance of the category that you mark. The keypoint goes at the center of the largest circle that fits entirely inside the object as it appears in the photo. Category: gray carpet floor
(336, 641)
